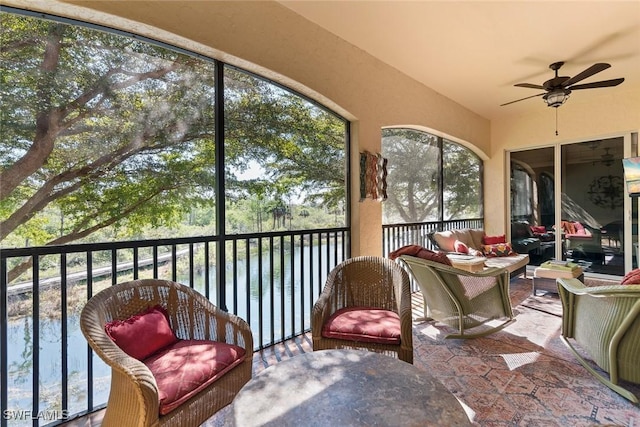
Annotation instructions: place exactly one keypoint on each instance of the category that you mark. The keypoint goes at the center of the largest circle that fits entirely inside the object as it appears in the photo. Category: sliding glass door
(592, 203)
(569, 201)
(533, 204)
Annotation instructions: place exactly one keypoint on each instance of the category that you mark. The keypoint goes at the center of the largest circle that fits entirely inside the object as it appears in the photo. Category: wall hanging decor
(373, 176)
(607, 192)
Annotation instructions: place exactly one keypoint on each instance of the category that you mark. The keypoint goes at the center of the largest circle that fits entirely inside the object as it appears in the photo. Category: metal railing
(48, 373)
(395, 236)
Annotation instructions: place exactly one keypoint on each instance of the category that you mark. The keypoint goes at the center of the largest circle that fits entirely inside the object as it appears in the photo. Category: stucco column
(366, 215)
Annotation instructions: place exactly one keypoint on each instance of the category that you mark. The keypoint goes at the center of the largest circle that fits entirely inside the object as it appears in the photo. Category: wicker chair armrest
(576, 287)
(487, 272)
(319, 314)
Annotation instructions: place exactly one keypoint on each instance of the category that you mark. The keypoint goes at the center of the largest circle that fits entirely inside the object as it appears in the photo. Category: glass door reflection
(533, 204)
(593, 205)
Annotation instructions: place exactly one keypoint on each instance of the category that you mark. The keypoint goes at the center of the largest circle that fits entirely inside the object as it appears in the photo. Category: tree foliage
(414, 170)
(110, 131)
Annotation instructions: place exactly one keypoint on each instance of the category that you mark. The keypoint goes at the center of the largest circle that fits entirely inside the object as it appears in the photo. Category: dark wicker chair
(133, 399)
(366, 281)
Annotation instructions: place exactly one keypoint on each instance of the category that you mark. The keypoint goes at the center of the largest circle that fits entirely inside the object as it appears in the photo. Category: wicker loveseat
(473, 238)
(210, 348)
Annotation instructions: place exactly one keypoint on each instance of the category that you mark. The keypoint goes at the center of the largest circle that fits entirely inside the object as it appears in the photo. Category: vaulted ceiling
(474, 52)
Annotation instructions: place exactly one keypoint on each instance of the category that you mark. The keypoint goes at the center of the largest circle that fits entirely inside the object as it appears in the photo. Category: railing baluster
(64, 332)
(191, 282)
(136, 265)
(292, 269)
(89, 351)
(4, 338)
(260, 312)
(282, 290)
(272, 291)
(36, 337)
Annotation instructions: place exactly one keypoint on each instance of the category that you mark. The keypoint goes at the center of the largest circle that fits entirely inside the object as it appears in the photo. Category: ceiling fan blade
(522, 99)
(604, 83)
(595, 68)
(529, 85)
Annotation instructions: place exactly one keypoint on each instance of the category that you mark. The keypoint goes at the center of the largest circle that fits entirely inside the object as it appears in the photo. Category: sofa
(522, 238)
(583, 241)
(476, 242)
(535, 240)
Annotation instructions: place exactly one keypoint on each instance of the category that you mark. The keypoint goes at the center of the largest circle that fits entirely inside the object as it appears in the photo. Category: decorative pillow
(538, 229)
(498, 250)
(142, 334)
(445, 239)
(493, 240)
(631, 278)
(363, 324)
(189, 366)
(460, 247)
(420, 252)
(570, 227)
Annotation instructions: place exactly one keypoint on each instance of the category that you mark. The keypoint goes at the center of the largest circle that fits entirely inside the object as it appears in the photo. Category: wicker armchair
(477, 304)
(365, 281)
(133, 399)
(605, 323)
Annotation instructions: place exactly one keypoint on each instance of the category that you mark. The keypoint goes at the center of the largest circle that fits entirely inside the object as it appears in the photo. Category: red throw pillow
(493, 240)
(142, 334)
(498, 250)
(538, 229)
(421, 252)
(631, 278)
(363, 324)
(460, 247)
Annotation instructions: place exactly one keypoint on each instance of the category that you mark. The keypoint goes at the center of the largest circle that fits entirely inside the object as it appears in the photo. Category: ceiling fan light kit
(556, 98)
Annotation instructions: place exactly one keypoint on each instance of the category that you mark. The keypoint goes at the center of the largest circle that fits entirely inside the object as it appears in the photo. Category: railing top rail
(450, 221)
(102, 246)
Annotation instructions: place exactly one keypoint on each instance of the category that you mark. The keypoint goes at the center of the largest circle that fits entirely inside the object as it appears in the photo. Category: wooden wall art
(373, 176)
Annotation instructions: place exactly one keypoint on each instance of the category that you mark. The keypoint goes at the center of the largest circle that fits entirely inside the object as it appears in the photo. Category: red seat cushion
(363, 324)
(631, 278)
(142, 334)
(189, 366)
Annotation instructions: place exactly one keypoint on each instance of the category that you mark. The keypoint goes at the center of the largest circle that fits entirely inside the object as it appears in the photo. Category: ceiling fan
(558, 89)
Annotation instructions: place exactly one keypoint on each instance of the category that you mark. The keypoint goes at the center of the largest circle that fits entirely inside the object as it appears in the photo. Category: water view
(275, 297)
